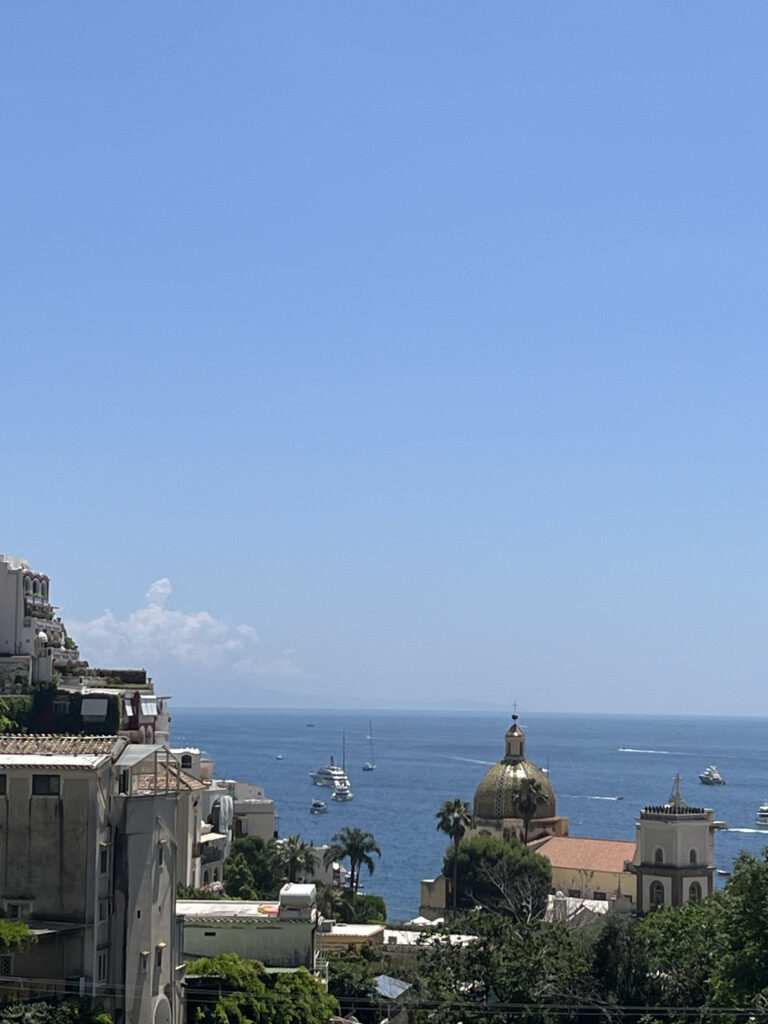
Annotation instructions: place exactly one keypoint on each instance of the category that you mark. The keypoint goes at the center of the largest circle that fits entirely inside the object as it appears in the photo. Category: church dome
(503, 785)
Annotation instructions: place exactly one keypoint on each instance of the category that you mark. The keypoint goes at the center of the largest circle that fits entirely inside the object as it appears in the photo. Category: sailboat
(370, 766)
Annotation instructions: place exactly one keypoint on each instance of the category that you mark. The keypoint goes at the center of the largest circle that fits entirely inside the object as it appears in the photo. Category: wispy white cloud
(155, 637)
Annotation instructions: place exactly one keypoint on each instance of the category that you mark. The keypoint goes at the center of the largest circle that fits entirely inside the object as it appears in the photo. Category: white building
(33, 641)
(279, 933)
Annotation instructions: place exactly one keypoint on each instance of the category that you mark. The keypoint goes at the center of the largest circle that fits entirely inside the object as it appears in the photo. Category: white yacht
(341, 791)
(761, 821)
(330, 775)
(711, 776)
(318, 807)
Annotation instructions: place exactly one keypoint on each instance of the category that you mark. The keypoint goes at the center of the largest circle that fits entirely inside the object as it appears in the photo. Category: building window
(3, 784)
(159, 957)
(597, 895)
(144, 961)
(103, 862)
(6, 966)
(694, 892)
(657, 894)
(45, 785)
(102, 965)
(125, 780)
(160, 855)
(186, 760)
(658, 857)
(103, 909)
(692, 857)
(574, 892)
(17, 910)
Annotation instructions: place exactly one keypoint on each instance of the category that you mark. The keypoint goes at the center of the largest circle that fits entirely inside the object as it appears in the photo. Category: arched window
(658, 856)
(657, 894)
(692, 857)
(34, 586)
(694, 892)
(186, 760)
(27, 585)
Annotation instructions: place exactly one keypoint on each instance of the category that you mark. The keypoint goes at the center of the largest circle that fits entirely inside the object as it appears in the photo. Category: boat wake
(585, 796)
(751, 831)
(636, 750)
(468, 760)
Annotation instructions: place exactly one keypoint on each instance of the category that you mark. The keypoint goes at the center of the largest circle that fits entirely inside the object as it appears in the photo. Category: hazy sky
(373, 353)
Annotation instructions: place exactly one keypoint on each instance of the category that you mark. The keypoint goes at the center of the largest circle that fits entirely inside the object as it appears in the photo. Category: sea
(604, 770)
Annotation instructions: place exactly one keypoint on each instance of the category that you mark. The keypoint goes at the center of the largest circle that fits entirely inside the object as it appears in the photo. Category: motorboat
(711, 777)
(342, 792)
(318, 807)
(370, 765)
(329, 775)
(761, 821)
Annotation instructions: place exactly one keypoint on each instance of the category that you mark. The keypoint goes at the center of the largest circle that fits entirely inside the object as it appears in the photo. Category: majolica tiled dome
(497, 795)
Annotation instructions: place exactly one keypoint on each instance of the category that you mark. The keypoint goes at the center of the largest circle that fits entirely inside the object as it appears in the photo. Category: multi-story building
(33, 641)
(88, 830)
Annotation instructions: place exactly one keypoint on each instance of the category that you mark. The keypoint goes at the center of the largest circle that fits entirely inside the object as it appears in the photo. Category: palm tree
(530, 793)
(356, 846)
(296, 856)
(453, 818)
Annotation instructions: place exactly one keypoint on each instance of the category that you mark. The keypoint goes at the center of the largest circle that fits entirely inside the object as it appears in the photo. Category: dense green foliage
(36, 712)
(14, 934)
(228, 990)
(52, 1012)
(253, 869)
(707, 960)
(502, 876)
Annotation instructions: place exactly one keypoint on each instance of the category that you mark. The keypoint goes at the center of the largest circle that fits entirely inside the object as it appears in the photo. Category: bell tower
(675, 859)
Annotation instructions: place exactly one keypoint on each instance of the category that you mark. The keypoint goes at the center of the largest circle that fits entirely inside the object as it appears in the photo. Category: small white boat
(342, 792)
(318, 807)
(711, 777)
(278, 757)
(761, 821)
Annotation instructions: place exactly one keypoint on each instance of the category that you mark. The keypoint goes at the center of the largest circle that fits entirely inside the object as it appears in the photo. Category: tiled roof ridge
(56, 743)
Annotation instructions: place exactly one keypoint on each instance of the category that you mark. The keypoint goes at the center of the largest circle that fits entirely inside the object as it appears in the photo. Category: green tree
(741, 975)
(533, 967)
(228, 990)
(14, 934)
(296, 857)
(263, 864)
(356, 846)
(501, 876)
(238, 879)
(452, 819)
(530, 794)
(685, 949)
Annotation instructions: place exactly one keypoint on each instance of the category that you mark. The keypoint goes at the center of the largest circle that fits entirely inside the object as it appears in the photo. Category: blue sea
(604, 769)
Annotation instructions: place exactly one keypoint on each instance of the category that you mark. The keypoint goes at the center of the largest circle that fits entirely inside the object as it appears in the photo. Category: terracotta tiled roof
(168, 777)
(52, 744)
(585, 854)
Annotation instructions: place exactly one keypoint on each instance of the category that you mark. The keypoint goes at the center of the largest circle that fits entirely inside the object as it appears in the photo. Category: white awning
(149, 706)
(94, 707)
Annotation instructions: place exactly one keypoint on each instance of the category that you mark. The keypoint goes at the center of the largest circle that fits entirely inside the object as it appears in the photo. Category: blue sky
(378, 354)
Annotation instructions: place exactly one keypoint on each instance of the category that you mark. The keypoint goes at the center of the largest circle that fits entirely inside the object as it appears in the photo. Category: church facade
(670, 861)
